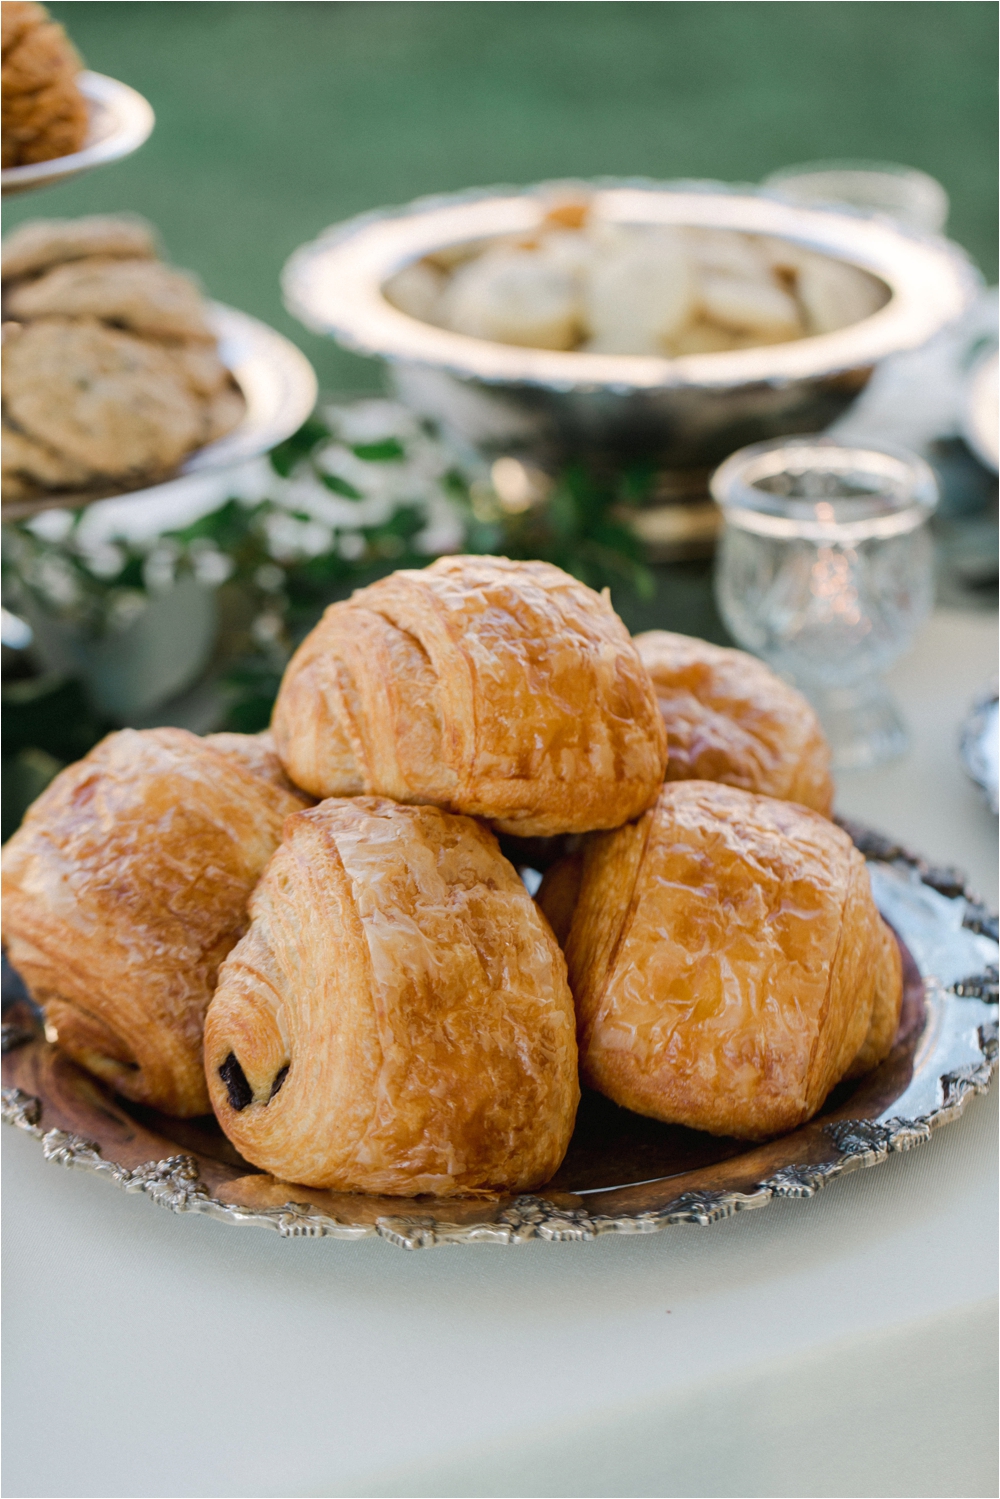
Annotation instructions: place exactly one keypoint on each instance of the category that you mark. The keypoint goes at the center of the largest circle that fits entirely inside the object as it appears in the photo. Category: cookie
(30, 464)
(139, 295)
(42, 53)
(40, 243)
(17, 17)
(43, 113)
(201, 368)
(223, 412)
(223, 406)
(43, 125)
(114, 404)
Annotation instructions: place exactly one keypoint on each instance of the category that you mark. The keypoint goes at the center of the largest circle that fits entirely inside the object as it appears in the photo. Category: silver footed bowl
(683, 412)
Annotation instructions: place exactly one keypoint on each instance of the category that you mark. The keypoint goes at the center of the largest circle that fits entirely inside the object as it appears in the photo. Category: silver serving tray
(623, 1174)
(121, 120)
(278, 384)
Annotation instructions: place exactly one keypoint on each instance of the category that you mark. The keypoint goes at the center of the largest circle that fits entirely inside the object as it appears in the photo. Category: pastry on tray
(126, 886)
(727, 960)
(397, 1018)
(44, 112)
(730, 718)
(506, 690)
(111, 372)
(364, 991)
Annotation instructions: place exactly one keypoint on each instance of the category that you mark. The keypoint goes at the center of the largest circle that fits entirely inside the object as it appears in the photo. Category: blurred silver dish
(979, 746)
(980, 425)
(683, 412)
(121, 120)
(279, 387)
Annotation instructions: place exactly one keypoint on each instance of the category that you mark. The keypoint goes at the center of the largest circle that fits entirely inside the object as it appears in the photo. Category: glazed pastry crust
(505, 690)
(398, 1011)
(256, 753)
(728, 962)
(124, 889)
(729, 718)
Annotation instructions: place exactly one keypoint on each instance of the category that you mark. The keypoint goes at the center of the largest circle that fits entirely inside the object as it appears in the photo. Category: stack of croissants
(314, 932)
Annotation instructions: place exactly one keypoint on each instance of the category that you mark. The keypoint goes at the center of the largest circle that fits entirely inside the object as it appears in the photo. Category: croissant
(257, 754)
(506, 690)
(124, 889)
(728, 962)
(730, 718)
(397, 1018)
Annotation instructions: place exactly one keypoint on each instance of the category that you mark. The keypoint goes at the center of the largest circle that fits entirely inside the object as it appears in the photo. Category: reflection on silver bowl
(682, 412)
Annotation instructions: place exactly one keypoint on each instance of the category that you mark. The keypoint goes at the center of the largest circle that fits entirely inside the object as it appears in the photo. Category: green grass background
(276, 119)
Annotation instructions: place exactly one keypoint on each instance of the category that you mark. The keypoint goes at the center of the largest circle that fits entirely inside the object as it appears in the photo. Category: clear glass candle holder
(825, 570)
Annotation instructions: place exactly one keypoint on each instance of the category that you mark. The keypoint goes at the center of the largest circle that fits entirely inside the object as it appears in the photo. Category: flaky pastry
(728, 962)
(123, 890)
(397, 1018)
(506, 690)
(729, 718)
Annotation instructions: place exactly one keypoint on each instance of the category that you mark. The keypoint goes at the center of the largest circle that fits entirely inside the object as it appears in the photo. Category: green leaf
(636, 482)
(341, 486)
(227, 527)
(390, 450)
(287, 454)
(406, 522)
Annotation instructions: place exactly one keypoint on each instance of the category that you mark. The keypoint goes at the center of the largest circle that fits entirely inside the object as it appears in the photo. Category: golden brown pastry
(506, 690)
(124, 889)
(256, 753)
(729, 718)
(397, 1019)
(728, 962)
(44, 113)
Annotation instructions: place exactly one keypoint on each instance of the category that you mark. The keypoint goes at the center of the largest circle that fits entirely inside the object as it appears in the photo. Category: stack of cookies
(44, 113)
(111, 372)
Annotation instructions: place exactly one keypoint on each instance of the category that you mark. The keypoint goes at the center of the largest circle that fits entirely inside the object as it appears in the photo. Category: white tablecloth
(844, 1345)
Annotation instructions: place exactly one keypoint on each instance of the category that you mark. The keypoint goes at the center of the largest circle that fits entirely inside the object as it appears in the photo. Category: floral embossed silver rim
(334, 285)
(952, 940)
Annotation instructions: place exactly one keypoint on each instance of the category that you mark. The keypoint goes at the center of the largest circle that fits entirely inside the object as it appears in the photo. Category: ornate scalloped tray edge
(948, 1055)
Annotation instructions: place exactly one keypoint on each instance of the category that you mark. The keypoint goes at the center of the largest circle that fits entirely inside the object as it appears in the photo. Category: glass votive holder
(825, 571)
(913, 198)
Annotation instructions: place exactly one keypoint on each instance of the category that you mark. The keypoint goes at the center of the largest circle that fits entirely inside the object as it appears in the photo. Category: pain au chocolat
(727, 960)
(505, 690)
(126, 886)
(397, 1018)
(729, 718)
